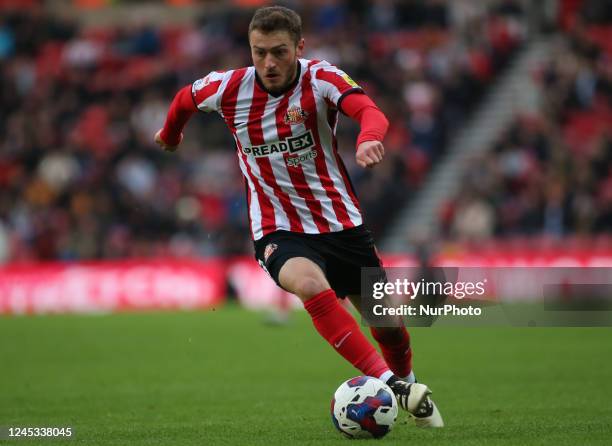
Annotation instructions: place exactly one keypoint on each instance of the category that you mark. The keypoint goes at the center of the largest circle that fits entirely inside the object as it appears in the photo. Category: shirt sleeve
(206, 92)
(372, 121)
(334, 84)
(180, 111)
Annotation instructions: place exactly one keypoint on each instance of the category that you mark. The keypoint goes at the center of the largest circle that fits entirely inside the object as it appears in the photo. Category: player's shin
(394, 343)
(342, 332)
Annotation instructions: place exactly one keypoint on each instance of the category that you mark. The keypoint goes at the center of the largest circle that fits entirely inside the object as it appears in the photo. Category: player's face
(275, 57)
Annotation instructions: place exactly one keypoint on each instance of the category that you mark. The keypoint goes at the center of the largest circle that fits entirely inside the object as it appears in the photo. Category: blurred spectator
(474, 219)
(80, 177)
(551, 174)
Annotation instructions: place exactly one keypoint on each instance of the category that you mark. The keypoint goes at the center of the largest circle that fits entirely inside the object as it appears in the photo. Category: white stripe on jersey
(254, 209)
(334, 170)
(333, 196)
(270, 133)
(326, 135)
(245, 96)
(310, 172)
(212, 102)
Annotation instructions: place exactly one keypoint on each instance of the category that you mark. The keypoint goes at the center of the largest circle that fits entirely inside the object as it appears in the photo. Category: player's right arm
(181, 109)
(202, 95)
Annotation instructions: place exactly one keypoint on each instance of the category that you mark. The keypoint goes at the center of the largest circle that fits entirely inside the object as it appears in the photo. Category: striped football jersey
(286, 147)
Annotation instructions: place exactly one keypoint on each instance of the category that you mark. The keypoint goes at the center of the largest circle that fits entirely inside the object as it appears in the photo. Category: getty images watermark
(503, 296)
(384, 291)
(390, 297)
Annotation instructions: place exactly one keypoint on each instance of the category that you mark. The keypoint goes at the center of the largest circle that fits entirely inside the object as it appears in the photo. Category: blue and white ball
(364, 407)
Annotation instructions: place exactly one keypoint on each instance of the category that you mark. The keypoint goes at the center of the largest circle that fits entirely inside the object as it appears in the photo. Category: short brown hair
(277, 18)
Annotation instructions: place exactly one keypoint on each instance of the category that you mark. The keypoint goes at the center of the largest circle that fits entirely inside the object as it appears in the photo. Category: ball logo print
(358, 381)
(364, 407)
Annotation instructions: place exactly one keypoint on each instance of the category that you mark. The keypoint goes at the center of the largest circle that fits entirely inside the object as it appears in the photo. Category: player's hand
(370, 153)
(163, 145)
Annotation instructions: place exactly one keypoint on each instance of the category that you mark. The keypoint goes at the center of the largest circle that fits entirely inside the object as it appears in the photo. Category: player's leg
(302, 277)
(414, 397)
(394, 343)
(305, 278)
(346, 254)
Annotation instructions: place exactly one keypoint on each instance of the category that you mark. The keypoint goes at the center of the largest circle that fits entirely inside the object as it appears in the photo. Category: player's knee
(308, 287)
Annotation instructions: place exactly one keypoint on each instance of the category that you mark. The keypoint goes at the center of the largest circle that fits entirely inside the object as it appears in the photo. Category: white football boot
(414, 398)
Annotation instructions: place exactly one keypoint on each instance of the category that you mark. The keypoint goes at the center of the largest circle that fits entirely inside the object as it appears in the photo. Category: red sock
(341, 330)
(395, 347)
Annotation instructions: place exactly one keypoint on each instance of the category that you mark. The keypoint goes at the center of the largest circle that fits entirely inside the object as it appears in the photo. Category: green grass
(224, 378)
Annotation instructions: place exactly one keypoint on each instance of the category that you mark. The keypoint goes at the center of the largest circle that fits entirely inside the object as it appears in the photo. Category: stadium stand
(80, 177)
(550, 174)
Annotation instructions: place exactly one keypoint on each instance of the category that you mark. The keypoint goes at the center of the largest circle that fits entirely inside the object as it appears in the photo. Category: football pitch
(224, 378)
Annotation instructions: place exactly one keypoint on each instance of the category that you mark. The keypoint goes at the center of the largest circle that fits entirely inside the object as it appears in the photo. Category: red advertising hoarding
(110, 286)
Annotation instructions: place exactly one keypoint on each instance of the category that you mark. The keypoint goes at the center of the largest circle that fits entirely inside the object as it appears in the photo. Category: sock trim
(410, 378)
(385, 376)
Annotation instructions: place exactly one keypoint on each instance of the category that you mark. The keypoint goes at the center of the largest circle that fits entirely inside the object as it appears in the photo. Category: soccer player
(304, 214)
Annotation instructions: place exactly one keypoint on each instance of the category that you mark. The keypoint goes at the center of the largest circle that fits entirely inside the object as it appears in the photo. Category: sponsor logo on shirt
(201, 83)
(295, 161)
(293, 144)
(350, 81)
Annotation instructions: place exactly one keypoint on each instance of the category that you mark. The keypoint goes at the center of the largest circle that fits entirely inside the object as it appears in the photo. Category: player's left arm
(343, 93)
(373, 125)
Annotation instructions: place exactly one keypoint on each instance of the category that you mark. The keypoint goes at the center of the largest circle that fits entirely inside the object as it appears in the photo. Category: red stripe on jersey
(345, 177)
(258, 105)
(228, 108)
(230, 98)
(296, 173)
(335, 79)
(201, 95)
(332, 119)
(308, 103)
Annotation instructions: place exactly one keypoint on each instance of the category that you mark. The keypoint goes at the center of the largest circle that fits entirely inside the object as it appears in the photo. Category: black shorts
(341, 255)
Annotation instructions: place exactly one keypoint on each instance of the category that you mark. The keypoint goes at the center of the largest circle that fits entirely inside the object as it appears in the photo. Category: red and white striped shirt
(286, 147)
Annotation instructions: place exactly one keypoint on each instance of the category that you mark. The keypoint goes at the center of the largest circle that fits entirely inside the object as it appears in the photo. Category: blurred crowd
(550, 174)
(80, 177)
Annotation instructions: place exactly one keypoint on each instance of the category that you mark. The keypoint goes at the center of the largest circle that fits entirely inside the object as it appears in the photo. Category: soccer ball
(364, 407)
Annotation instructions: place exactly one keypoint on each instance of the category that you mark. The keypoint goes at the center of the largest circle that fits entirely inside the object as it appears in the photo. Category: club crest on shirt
(295, 115)
(270, 248)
